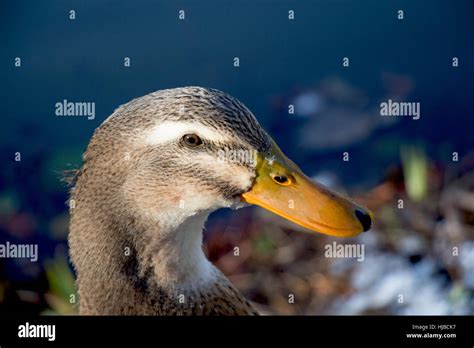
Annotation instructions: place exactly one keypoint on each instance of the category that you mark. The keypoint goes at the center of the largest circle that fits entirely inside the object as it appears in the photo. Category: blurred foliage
(62, 296)
(9, 203)
(415, 170)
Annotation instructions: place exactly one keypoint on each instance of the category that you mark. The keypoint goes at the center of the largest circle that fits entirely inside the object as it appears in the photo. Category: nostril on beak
(364, 219)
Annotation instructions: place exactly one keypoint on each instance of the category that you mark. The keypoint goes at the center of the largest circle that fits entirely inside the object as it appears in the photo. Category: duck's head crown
(206, 106)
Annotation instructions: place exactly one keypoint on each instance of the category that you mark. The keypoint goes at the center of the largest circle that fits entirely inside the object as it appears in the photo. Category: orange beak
(282, 188)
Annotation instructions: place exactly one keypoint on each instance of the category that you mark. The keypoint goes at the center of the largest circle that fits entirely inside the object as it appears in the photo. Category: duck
(152, 173)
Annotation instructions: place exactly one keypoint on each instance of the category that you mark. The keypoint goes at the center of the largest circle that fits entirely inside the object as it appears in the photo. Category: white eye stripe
(169, 130)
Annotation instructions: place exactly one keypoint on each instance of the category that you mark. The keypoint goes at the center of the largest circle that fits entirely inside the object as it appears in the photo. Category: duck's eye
(281, 179)
(191, 140)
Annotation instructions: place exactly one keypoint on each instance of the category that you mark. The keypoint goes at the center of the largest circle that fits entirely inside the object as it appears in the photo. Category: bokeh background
(282, 62)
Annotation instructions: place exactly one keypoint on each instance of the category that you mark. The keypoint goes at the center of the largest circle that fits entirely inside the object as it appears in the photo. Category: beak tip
(364, 218)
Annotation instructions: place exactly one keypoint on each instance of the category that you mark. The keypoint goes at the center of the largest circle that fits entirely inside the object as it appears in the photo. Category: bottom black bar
(412, 330)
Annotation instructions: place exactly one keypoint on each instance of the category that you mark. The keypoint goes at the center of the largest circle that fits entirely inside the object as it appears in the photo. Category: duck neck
(175, 255)
(132, 268)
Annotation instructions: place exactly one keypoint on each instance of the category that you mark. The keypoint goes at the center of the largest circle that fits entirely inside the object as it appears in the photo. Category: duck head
(182, 152)
(152, 173)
